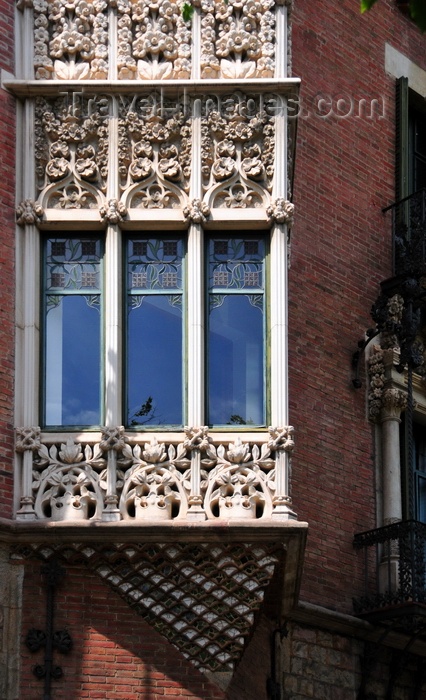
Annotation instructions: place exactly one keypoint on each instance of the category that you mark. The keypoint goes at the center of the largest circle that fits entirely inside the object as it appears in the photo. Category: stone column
(393, 402)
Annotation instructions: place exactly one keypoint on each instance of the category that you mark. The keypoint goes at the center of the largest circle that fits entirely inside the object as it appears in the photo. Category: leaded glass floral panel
(72, 332)
(236, 330)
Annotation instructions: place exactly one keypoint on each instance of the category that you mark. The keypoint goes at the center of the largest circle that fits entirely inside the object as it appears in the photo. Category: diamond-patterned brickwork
(202, 597)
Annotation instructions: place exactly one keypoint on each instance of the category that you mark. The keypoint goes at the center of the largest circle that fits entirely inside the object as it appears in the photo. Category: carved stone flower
(86, 168)
(59, 149)
(140, 168)
(252, 168)
(154, 452)
(226, 148)
(70, 452)
(142, 149)
(170, 168)
(223, 168)
(238, 452)
(57, 168)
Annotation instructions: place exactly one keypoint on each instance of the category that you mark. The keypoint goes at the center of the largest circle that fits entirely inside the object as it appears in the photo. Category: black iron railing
(394, 570)
(409, 234)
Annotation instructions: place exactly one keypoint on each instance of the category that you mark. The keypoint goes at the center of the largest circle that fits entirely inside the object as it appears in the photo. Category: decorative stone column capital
(113, 212)
(27, 439)
(281, 439)
(29, 212)
(112, 439)
(22, 4)
(394, 401)
(197, 212)
(281, 211)
(196, 438)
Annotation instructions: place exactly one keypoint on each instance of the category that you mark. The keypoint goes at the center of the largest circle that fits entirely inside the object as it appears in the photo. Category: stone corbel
(281, 211)
(27, 443)
(113, 213)
(29, 212)
(197, 212)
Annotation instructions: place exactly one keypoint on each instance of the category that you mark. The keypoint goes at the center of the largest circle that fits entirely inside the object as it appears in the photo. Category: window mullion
(195, 359)
(278, 321)
(195, 286)
(113, 327)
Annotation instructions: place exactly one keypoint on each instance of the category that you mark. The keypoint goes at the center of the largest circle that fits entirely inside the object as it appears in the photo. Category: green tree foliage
(416, 9)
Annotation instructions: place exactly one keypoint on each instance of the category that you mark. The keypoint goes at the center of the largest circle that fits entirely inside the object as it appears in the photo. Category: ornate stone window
(155, 200)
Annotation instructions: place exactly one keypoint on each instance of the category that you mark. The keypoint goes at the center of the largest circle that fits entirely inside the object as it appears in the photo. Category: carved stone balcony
(195, 531)
(395, 576)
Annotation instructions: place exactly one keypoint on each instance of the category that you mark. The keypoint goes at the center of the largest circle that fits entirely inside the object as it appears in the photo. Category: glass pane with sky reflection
(236, 372)
(154, 332)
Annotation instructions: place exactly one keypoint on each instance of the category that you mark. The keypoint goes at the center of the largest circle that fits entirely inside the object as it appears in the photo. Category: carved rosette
(71, 39)
(154, 155)
(198, 212)
(71, 150)
(113, 212)
(237, 39)
(154, 42)
(29, 212)
(237, 152)
(281, 211)
(154, 481)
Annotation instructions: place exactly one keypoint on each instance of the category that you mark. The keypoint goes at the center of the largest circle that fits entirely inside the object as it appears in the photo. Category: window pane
(236, 363)
(154, 332)
(236, 349)
(72, 332)
(73, 361)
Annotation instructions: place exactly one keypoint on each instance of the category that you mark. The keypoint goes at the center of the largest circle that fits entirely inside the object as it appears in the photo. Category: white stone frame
(276, 213)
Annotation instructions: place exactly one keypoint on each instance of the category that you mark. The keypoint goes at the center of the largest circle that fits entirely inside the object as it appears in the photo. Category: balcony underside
(202, 586)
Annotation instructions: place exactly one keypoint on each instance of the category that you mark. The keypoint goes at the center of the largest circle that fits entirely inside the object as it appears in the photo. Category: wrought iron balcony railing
(409, 235)
(395, 575)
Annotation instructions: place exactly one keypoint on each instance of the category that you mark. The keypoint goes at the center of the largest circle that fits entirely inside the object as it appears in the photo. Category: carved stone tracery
(237, 39)
(154, 154)
(71, 150)
(70, 39)
(237, 152)
(154, 482)
(154, 41)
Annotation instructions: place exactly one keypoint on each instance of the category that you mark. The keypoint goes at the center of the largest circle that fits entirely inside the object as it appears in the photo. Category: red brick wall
(115, 654)
(341, 250)
(7, 274)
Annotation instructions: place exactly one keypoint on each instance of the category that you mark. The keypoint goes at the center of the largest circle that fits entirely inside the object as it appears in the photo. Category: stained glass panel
(72, 333)
(236, 346)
